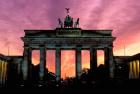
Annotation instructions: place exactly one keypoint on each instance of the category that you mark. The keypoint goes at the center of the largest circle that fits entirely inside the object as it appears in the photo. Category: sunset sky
(122, 16)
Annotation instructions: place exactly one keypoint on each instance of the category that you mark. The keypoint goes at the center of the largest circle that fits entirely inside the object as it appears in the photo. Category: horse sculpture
(60, 23)
(76, 25)
(68, 22)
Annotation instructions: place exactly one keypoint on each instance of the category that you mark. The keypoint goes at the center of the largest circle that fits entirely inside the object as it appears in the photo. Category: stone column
(93, 58)
(42, 62)
(0, 72)
(134, 69)
(106, 57)
(30, 64)
(58, 64)
(106, 61)
(78, 62)
(138, 68)
(26, 61)
(130, 70)
(4, 73)
(109, 61)
(133, 76)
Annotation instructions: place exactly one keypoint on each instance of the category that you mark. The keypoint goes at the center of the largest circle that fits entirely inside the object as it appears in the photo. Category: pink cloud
(122, 16)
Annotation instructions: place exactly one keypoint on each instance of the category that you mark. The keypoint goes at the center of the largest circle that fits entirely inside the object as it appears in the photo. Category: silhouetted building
(67, 37)
(10, 68)
(127, 67)
(121, 67)
(14, 69)
(3, 69)
(19, 70)
(134, 66)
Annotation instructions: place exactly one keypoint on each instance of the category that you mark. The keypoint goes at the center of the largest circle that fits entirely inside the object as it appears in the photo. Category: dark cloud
(120, 15)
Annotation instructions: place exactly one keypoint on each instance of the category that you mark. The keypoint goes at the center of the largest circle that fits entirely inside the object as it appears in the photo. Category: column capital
(78, 48)
(93, 48)
(108, 47)
(43, 47)
(57, 48)
(26, 47)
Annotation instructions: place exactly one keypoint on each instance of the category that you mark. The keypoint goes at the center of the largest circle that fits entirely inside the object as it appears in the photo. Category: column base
(58, 78)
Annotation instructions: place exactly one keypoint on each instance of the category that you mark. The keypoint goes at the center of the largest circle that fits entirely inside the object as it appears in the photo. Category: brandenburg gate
(67, 37)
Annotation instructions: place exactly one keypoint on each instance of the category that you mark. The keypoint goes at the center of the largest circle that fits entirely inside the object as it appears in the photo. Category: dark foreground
(71, 86)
